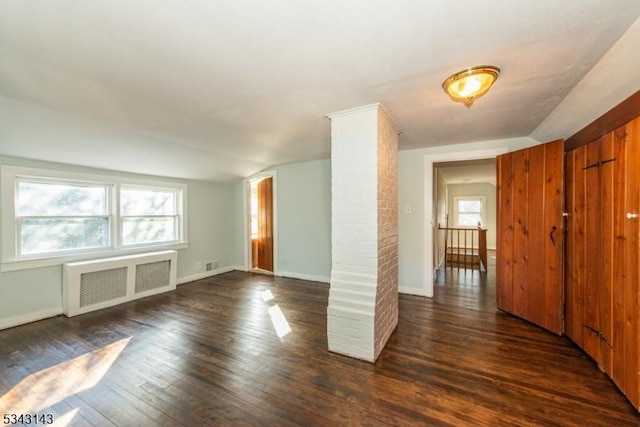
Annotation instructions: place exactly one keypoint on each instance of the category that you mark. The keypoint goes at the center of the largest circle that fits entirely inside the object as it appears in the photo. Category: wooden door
(625, 272)
(265, 225)
(589, 247)
(529, 279)
(603, 187)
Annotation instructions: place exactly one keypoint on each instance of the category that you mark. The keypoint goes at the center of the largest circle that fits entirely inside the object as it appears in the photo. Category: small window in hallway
(468, 211)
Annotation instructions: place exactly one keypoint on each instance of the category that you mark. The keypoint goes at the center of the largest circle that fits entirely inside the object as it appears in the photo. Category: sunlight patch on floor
(280, 323)
(45, 388)
(266, 295)
(65, 420)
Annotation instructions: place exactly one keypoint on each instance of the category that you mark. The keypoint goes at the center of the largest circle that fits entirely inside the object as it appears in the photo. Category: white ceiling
(468, 172)
(218, 90)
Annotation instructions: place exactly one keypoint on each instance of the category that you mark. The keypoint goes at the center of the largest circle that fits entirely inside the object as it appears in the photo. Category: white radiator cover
(92, 285)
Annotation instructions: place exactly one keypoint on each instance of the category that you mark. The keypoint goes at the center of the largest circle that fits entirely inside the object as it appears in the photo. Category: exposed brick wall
(363, 233)
(386, 317)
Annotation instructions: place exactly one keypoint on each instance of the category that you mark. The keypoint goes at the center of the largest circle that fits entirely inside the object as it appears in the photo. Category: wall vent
(96, 284)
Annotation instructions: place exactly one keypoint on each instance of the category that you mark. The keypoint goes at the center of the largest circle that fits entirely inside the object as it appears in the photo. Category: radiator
(96, 284)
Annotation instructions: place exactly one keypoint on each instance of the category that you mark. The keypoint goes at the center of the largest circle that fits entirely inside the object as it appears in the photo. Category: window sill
(15, 265)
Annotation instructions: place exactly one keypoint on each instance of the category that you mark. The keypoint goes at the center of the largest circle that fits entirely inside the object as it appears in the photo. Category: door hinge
(592, 329)
(599, 163)
(606, 341)
(595, 165)
(600, 335)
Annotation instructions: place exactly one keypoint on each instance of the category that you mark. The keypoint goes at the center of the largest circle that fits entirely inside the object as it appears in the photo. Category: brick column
(363, 298)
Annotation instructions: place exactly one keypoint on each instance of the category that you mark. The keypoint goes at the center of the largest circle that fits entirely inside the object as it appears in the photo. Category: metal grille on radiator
(152, 275)
(101, 286)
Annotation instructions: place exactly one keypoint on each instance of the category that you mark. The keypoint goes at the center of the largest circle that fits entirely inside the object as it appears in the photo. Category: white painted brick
(362, 310)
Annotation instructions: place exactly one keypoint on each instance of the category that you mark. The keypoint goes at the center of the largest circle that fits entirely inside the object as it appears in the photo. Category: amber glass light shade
(468, 85)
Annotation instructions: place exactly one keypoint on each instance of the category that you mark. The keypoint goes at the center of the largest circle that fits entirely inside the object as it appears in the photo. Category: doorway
(465, 213)
(261, 223)
(430, 223)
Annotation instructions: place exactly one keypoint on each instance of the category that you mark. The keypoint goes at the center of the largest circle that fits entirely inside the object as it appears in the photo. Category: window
(148, 216)
(55, 217)
(468, 211)
(51, 217)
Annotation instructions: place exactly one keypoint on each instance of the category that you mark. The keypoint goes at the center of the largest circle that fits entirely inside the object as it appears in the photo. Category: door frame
(428, 224)
(247, 220)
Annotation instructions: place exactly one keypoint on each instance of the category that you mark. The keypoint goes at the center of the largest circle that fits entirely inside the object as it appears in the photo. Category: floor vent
(96, 284)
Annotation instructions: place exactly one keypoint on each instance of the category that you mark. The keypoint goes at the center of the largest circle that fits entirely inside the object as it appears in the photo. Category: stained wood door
(529, 279)
(265, 225)
(626, 287)
(589, 203)
(602, 273)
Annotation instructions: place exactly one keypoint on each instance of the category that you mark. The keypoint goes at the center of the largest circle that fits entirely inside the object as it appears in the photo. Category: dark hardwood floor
(209, 354)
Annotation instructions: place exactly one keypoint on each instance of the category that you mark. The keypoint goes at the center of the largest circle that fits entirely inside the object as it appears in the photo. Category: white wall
(304, 220)
(211, 239)
(483, 189)
(28, 295)
(240, 230)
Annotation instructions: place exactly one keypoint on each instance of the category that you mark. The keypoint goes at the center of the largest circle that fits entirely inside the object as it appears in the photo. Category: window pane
(148, 230)
(147, 202)
(474, 206)
(40, 199)
(52, 235)
(469, 219)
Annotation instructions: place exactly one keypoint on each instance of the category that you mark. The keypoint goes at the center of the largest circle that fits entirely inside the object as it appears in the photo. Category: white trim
(242, 268)
(409, 290)
(30, 317)
(362, 109)
(59, 260)
(303, 276)
(8, 181)
(428, 220)
(247, 218)
(349, 111)
(205, 274)
(7, 193)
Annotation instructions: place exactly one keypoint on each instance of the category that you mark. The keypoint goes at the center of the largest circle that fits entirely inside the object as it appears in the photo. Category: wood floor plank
(208, 354)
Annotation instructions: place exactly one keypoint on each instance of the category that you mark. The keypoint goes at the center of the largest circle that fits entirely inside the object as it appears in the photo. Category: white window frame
(178, 213)
(9, 178)
(483, 214)
(108, 215)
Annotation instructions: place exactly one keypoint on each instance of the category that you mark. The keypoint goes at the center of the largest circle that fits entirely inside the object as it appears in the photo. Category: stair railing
(465, 247)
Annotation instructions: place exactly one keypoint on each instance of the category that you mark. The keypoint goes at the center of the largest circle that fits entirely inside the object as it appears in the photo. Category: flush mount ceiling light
(468, 85)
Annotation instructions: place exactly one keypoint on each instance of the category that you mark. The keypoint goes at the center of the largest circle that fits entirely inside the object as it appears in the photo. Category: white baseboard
(29, 317)
(303, 276)
(411, 291)
(205, 274)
